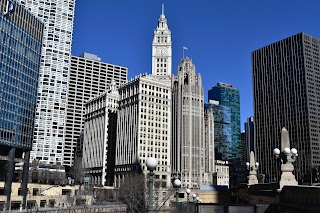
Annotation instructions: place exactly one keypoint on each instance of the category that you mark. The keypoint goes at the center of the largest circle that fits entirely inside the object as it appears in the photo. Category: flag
(185, 48)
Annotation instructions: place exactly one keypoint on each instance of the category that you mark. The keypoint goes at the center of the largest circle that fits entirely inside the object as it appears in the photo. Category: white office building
(100, 137)
(89, 77)
(49, 132)
(144, 125)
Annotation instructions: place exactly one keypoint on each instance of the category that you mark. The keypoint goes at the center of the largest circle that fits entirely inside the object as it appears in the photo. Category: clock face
(164, 51)
(161, 51)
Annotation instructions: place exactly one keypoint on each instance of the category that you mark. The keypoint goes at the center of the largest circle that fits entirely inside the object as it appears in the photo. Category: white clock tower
(161, 48)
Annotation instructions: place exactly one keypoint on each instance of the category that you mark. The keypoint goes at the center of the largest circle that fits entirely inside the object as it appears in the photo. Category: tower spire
(162, 9)
(161, 48)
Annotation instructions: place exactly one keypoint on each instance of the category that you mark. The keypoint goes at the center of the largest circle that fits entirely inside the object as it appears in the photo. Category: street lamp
(188, 191)
(194, 197)
(151, 164)
(197, 201)
(248, 165)
(176, 184)
(276, 153)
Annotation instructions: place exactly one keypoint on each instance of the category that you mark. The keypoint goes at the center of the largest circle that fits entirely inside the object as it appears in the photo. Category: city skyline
(220, 36)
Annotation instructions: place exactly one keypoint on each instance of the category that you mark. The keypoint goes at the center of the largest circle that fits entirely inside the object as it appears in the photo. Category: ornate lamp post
(188, 191)
(194, 197)
(151, 164)
(197, 198)
(287, 157)
(276, 153)
(253, 168)
(176, 184)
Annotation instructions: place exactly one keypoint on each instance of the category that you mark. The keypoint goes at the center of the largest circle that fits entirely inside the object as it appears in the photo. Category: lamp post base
(253, 178)
(287, 178)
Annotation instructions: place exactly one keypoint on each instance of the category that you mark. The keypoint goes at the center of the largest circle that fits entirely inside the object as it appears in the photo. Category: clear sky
(220, 34)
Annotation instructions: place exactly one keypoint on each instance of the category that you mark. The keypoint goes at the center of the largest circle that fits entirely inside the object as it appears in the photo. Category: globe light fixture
(151, 163)
(294, 151)
(177, 183)
(276, 152)
(286, 150)
(248, 165)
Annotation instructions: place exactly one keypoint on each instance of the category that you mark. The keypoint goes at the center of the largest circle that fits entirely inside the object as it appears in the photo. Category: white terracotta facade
(144, 125)
(49, 131)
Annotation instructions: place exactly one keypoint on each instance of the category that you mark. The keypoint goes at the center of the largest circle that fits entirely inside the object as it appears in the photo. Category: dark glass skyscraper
(20, 52)
(286, 86)
(222, 130)
(228, 96)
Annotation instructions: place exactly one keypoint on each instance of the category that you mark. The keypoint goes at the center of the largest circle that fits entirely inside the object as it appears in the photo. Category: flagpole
(183, 48)
(183, 52)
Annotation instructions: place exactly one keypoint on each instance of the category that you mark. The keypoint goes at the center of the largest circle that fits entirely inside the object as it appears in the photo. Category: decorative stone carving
(287, 157)
(252, 167)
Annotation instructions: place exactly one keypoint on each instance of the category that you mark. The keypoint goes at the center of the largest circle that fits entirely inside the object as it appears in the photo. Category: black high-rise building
(286, 86)
(249, 138)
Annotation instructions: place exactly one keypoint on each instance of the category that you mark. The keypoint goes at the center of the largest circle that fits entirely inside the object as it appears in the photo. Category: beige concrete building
(40, 195)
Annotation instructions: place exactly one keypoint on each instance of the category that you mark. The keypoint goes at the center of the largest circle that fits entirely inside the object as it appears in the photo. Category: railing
(47, 188)
(120, 208)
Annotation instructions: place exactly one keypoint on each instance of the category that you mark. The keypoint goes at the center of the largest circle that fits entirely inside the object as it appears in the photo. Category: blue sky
(220, 34)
